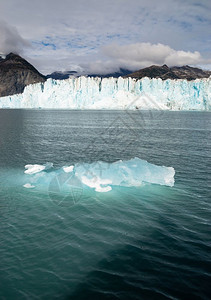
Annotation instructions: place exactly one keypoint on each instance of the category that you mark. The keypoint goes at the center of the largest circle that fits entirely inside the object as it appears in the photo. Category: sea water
(66, 237)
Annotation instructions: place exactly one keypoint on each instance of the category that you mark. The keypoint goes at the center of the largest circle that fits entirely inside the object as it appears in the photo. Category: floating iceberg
(101, 176)
(114, 93)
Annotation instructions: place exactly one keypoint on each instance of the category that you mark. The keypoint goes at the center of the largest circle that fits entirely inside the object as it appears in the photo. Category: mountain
(190, 73)
(62, 75)
(164, 72)
(15, 74)
(122, 72)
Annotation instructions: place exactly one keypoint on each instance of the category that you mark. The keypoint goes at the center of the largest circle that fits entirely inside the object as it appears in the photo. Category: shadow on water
(11, 128)
(132, 273)
(163, 264)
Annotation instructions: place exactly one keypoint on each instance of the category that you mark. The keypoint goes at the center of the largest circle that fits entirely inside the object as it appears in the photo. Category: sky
(102, 36)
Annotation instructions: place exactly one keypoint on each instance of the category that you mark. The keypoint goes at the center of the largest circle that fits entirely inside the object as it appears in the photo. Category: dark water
(148, 242)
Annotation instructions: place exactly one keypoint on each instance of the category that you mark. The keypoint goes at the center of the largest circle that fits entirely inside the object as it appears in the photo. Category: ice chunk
(101, 176)
(97, 183)
(28, 186)
(33, 169)
(68, 169)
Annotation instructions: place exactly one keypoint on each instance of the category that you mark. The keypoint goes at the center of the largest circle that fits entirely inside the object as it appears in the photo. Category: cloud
(10, 39)
(180, 58)
(72, 33)
(112, 57)
(100, 67)
(139, 55)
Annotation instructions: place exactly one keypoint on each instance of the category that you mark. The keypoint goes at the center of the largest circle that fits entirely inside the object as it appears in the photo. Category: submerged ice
(101, 176)
(114, 93)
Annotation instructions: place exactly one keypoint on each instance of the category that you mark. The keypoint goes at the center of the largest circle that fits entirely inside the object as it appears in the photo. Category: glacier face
(114, 93)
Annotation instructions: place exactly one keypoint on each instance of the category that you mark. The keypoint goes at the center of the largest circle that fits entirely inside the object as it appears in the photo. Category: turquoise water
(147, 242)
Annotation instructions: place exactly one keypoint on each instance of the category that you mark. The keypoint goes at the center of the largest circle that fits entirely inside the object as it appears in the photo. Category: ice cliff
(114, 93)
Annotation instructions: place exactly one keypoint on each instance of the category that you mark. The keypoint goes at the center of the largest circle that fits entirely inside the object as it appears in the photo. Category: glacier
(114, 93)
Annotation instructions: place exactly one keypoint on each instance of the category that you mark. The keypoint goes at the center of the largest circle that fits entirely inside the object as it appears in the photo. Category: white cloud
(139, 55)
(180, 58)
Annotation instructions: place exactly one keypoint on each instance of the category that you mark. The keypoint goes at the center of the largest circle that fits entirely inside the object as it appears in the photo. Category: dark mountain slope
(15, 74)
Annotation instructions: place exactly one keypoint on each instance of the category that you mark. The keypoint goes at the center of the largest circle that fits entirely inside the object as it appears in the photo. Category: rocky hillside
(15, 74)
(164, 72)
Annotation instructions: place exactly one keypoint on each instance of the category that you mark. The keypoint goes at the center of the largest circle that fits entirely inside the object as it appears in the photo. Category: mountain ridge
(164, 72)
(154, 71)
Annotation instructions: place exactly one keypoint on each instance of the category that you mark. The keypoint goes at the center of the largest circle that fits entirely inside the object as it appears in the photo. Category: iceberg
(100, 176)
(114, 93)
